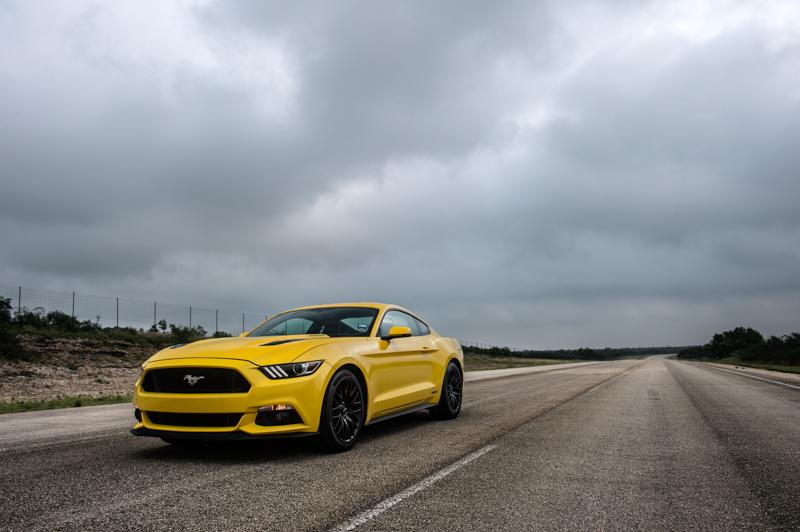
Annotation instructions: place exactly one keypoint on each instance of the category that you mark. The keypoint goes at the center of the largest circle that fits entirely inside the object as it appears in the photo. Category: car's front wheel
(452, 392)
(343, 412)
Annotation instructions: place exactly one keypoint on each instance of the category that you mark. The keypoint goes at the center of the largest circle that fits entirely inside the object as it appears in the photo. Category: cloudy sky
(533, 174)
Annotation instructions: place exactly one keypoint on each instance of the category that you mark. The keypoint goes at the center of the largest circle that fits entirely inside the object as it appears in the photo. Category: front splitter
(235, 435)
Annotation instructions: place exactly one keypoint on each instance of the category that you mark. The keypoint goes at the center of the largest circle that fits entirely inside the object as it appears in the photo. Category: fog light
(275, 408)
(272, 415)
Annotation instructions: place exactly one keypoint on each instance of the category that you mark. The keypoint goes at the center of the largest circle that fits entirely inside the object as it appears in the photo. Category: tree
(184, 334)
(728, 342)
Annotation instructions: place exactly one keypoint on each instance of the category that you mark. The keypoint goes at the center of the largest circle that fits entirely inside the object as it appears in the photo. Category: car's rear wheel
(452, 393)
(343, 412)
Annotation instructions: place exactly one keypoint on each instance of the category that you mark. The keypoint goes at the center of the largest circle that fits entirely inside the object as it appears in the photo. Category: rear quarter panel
(448, 349)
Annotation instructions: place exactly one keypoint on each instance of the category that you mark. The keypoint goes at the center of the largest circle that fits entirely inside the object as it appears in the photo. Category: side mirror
(397, 331)
(244, 334)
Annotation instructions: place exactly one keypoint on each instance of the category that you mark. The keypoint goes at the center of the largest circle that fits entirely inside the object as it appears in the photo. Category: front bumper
(304, 394)
(214, 436)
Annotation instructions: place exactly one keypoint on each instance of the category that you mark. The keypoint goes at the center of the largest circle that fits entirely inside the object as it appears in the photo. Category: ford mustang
(324, 370)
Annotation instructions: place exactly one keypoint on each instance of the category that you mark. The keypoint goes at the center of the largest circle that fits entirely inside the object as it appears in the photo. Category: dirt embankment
(67, 367)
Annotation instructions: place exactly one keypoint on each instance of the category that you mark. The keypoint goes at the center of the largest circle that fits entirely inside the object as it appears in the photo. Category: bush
(748, 345)
(183, 334)
(56, 320)
(5, 311)
(35, 318)
(9, 343)
(88, 326)
(55, 323)
(62, 322)
(584, 353)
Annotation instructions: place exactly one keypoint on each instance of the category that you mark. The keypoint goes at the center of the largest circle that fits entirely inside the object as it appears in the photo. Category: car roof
(369, 304)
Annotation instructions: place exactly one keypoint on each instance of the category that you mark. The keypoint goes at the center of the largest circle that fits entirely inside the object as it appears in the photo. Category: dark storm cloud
(533, 175)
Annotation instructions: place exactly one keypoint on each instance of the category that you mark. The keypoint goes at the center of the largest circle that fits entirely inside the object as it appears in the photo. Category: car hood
(259, 350)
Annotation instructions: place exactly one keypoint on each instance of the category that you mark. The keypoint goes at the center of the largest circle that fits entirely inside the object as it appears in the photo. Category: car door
(401, 369)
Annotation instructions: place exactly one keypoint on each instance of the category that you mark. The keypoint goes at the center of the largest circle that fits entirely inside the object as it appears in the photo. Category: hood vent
(281, 342)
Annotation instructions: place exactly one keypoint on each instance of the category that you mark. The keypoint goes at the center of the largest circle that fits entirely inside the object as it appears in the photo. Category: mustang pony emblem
(192, 379)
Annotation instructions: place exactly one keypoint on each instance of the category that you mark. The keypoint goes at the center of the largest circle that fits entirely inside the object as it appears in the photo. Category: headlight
(286, 371)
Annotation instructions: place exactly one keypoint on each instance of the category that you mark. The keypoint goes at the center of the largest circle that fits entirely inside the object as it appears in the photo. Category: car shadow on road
(234, 452)
(278, 449)
(397, 425)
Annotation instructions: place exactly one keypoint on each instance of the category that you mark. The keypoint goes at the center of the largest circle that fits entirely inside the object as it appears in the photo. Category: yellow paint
(399, 373)
(399, 331)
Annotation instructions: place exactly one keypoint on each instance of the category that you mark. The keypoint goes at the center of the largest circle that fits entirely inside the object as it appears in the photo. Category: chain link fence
(122, 312)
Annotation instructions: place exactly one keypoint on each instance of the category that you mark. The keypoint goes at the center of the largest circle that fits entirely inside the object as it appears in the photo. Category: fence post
(216, 320)
(117, 313)
(19, 301)
(73, 304)
(154, 314)
(190, 316)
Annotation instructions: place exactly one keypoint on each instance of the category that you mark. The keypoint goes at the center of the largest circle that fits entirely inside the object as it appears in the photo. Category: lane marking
(754, 377)
(531, 370)
(386, 504)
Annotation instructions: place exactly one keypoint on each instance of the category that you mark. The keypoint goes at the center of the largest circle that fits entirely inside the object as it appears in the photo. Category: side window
(400, 319)
(422, 328)
(360, 324)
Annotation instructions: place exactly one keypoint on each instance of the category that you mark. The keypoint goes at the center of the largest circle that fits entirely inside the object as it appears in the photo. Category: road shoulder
(791, 379)
(39, 427)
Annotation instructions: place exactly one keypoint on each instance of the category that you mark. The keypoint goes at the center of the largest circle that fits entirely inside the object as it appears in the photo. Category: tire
(452, 394)
(343, 412)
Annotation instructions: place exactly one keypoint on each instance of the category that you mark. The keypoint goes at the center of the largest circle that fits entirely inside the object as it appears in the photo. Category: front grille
(194, 420)
(194, 380)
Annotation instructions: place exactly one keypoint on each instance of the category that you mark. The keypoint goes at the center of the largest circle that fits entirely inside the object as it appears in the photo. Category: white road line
(754, 377)
(428, 481)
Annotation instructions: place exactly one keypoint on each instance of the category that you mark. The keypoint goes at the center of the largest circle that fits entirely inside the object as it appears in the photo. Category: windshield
(333, 321)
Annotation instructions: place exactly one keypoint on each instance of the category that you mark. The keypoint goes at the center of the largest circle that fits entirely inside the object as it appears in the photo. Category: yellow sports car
(323, 370)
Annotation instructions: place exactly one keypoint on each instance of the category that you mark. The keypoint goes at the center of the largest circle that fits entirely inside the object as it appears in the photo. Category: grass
(62, 402)
(774, 367)
(475, 362)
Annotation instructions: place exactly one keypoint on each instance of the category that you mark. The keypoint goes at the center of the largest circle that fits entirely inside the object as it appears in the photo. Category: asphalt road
(639, 444)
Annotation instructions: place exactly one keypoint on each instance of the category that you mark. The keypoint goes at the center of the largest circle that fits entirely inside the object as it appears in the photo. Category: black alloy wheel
(343, 412)
(452, 393)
